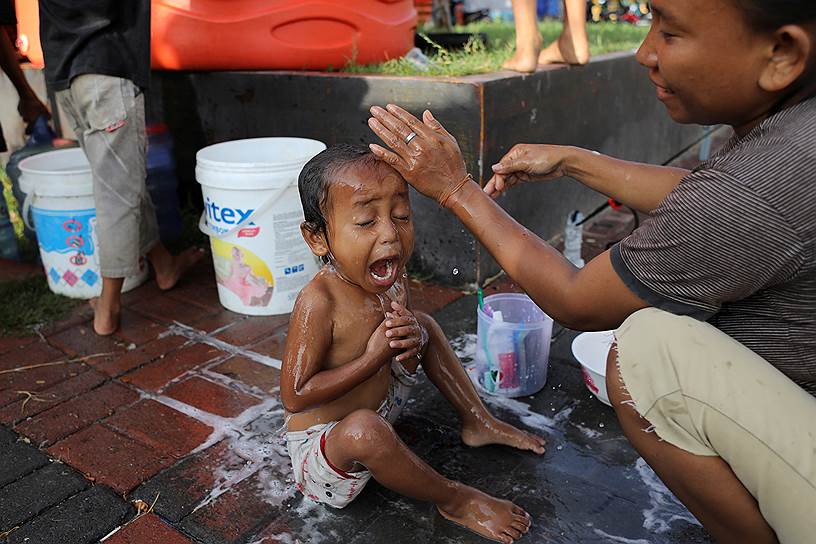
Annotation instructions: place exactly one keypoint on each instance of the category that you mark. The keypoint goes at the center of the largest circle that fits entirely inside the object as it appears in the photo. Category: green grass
(604, 37)
(29, 302)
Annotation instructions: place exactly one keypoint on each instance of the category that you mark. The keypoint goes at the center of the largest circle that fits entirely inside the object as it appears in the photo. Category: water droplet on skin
(455, 271)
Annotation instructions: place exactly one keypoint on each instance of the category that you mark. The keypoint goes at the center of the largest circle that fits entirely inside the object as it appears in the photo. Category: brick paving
(179, 410)
(106, 420)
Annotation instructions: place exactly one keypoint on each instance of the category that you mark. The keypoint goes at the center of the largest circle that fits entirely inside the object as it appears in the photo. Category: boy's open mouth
(384, 271)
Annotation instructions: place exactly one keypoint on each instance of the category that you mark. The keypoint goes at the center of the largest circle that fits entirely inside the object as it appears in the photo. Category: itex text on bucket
(226, 215)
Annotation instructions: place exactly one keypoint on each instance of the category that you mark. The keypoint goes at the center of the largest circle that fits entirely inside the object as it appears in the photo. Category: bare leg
(170, 268)
(364, 437)
(479, 427)
(572, 46)
(706, 485)
(107, 306)
(528, 40)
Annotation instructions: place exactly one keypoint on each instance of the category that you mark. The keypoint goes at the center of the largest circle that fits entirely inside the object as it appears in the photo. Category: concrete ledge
(608, 105)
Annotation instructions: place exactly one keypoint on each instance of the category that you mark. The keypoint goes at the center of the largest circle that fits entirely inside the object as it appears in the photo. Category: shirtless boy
(354, 346)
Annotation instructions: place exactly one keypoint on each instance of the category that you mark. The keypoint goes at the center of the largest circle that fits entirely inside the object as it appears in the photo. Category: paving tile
(253, 373)
(148, 529)
(82, 519)
(77, 413)
(118, 364)
(218, 320)
(180, 488)
(29, 354)
(503, 284)
(22, 500)
(144, 292)
(7, 436)
(11, 270)
(157, 374)
(18, 459)
(40, 401)
(80, 314)
(200, 293)
(110, 458)
(168, 310)
(273, 345)
(211, 397)
(429, 297)
(81, 340)
(236, 513)
(136, 329)
(33, 380)
(164, 429)
(8, 343)
(252, 329)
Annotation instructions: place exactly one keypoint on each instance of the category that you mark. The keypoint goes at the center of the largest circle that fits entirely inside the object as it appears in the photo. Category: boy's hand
(378, 344)
(405, 332)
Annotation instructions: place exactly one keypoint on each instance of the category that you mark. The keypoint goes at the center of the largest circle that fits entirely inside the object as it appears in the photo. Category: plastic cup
(512, 355)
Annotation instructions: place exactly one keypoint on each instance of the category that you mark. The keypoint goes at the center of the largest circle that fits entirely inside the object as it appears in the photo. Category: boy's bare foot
(524, 59)
(106, 320)
(492, 518)
(566, 50)
(170, 268)
(494, 431)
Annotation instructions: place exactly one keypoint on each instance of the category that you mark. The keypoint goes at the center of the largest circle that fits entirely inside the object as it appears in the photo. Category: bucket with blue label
(252, 214)
(59, 199)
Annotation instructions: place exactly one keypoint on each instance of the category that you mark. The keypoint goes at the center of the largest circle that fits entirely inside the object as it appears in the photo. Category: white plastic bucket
(59, 197)
(252, 214)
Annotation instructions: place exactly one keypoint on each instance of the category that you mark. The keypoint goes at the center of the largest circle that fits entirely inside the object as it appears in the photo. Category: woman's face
(705, 62)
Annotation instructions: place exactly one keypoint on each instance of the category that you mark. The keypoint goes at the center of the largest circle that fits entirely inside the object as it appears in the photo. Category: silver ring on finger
(410, 137)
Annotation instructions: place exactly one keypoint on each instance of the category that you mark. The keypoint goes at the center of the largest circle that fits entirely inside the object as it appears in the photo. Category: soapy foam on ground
(180, 329)
(619, 539)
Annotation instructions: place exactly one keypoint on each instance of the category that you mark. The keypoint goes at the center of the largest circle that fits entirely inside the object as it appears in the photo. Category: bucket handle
(204, 227)
(26, 211)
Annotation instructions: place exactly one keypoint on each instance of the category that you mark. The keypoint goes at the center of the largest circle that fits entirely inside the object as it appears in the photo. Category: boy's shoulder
(319, 287)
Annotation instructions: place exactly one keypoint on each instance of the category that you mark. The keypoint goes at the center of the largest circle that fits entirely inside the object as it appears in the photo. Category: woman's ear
(789, 57)
(315, 239)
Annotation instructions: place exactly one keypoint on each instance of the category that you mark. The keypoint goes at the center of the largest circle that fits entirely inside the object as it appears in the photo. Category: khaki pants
(108, 118)
(708, 394)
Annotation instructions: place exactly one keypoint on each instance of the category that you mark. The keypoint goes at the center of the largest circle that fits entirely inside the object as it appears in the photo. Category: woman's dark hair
(772, 14)
(318, 174)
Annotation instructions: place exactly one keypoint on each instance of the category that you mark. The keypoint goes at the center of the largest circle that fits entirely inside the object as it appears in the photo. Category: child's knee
(365, 433)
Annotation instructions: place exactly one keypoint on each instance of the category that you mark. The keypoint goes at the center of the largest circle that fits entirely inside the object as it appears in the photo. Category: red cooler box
(262, 34)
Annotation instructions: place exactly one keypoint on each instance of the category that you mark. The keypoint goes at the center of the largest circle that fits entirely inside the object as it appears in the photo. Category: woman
(713, 375)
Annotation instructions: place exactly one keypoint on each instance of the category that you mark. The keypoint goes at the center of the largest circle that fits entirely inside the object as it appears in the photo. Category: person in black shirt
(97, 58)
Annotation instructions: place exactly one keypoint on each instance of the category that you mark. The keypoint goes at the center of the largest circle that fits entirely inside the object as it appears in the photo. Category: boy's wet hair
(317, 175)
(772, 14)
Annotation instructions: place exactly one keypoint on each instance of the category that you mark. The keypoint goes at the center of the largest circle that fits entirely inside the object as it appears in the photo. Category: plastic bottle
(573, 236)
(418, 59)
(504, 351)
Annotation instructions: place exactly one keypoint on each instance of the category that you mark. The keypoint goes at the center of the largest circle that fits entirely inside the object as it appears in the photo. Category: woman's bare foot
(525, 58)
(170, 268)
(492, 518)
(494, 431)
(567, 49)
(106, 320)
